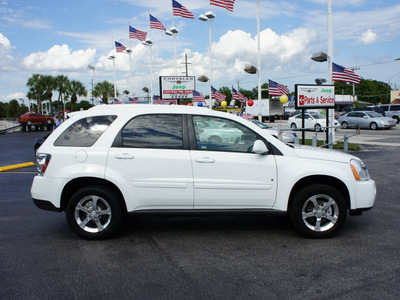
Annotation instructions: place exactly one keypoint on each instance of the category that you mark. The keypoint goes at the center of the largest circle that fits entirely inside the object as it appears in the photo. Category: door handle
(206, 160)
(124, 156)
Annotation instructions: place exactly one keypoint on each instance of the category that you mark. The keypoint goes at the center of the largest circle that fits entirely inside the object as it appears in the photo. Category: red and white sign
(315, 96)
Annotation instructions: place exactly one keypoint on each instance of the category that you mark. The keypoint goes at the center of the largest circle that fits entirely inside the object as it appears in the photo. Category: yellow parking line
(17, 166)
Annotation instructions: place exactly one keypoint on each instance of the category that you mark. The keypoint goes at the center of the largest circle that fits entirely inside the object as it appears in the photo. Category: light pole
(90, 67)
(173, 31)
(208, 17)
(354, 86)
(149, 43)
(253, 70)
(112, 57)
(129, 51)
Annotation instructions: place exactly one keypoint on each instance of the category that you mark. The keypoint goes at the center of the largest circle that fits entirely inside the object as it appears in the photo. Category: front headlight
(359, 170)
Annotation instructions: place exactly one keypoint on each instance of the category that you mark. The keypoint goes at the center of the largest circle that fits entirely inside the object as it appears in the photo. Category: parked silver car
(366, 119)
(287, 136)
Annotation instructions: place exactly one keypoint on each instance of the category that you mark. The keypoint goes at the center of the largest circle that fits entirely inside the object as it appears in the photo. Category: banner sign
(314, 96)
(177, 87)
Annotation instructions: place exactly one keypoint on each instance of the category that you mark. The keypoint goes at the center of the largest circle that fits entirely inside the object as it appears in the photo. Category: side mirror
(260, 148)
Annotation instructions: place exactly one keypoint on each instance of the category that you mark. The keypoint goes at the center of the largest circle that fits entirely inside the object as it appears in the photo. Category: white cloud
(15, 96)
(5, 45)
(59, 58)
(367, 37)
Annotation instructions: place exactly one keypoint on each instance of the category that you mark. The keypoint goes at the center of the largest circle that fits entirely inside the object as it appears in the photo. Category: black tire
(94, 224)
(317, 127)
(373, 126)
(318, 211)
(396, 118)
(293, 126)
(345, 125)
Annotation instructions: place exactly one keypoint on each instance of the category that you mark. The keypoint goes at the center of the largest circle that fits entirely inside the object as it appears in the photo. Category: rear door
(151, 163)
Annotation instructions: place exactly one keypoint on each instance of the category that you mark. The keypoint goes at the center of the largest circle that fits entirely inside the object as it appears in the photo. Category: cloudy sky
(63, 37)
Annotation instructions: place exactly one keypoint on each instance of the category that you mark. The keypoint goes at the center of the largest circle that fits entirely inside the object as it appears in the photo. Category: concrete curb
(17, 166)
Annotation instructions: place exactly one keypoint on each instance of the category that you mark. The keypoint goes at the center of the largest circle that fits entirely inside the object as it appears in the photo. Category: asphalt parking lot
(229, 257)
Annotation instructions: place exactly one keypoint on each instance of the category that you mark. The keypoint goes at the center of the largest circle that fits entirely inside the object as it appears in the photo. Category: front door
(227, 175)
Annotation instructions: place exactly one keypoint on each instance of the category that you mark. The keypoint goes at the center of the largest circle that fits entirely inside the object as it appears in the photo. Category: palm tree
(61, 86)
(76, 88)
(37, 88)
(50, 85)
(103, 90)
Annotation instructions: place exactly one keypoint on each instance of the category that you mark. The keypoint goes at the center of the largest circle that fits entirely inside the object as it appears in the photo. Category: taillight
(43, 161)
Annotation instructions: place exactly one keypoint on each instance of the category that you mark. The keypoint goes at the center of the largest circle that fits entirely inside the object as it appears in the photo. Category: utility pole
(354, 86)
(186, 65)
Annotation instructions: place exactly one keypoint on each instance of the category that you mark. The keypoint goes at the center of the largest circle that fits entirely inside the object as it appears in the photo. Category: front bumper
(363, 194)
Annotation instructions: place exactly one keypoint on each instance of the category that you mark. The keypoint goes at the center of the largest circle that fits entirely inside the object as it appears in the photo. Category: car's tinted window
(222, 135)
(154, 131)
(395, 107)
(384, 107)
(352, 115)
(84, 132)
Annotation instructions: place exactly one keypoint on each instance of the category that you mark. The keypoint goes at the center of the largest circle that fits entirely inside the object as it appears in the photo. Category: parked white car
(311, 120)
(112, 160)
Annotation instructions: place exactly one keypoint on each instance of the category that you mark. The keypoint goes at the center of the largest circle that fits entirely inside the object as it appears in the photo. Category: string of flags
(339, 73)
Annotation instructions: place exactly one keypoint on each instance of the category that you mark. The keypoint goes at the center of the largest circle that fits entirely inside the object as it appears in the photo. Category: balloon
(250, 103)
(283, 99)
(200, 104)
(224, 103)
(190, 104)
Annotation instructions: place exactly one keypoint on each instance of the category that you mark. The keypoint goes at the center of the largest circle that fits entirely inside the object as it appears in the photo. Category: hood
(321, 154)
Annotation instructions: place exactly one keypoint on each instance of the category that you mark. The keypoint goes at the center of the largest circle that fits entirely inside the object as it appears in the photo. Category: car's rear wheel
(293, 126)
(48, 121)
(29, 122)
(345, 125)
(318, 211)
(317, 127)
(95, 212)
(373, 126)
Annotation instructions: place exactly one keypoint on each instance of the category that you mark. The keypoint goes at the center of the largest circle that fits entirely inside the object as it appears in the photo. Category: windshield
(373, 114)
(318, 116)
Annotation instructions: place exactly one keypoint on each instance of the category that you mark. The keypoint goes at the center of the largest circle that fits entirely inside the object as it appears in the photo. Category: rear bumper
(45, 205)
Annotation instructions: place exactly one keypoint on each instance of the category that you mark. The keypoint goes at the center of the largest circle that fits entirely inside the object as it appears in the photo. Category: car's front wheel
(293, 126)
(373, 126)
(318, 211)
(29, 122)
(95, 212)
(345, 125)
(48, 121)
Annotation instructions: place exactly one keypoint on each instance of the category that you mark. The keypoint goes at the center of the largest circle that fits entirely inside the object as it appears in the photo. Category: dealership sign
(314, 96)
(177, 87)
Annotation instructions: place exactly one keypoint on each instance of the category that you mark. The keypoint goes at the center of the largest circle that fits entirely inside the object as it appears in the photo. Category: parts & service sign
(314, 96)
(177, 87)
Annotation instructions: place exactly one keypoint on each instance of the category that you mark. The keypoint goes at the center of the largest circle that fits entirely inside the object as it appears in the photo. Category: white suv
(112, 160)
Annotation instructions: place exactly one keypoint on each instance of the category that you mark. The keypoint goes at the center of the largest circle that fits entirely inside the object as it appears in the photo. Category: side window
(154, 131)
(352, 115)
(220, 134)
(395, 107)
(84, 132)
(361, 115)
(385, 107)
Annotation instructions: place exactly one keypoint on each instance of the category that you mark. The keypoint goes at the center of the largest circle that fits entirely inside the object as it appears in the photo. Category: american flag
(198, 97)
(217, 95)
(137, 34)
(228, 4)
(181, 11)
(116, 101)
(133, 100)
(156, 24)
(119, 47)
(238, 96)
(340, 73)
(276, 89)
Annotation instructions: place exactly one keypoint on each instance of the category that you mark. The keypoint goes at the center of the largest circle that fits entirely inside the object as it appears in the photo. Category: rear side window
(84, 132)
(154, 131)
(395, 107)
